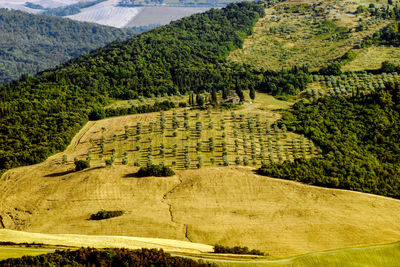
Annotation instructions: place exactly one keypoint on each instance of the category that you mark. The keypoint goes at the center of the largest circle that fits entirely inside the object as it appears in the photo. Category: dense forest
(105, 257)
(40, 115)
(360, 138)
(33, 43)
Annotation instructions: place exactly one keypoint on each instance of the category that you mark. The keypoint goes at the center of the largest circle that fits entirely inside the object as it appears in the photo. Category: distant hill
(33, 43)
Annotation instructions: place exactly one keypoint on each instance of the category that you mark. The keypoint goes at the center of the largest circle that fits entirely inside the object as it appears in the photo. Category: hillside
(33, 43)
(226, 205)
(196, 82)
(40, 115)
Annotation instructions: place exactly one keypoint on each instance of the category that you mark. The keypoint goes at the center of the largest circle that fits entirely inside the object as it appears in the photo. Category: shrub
(106, 214)
(97, 114)
(155, 170)
(237, 250)
(81, 165)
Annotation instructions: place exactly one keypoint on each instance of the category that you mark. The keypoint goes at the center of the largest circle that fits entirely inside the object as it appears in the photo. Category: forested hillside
(39, 115)
(33, 43)
(360, 138)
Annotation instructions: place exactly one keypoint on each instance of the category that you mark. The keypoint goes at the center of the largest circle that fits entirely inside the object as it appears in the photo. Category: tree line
(105, 257)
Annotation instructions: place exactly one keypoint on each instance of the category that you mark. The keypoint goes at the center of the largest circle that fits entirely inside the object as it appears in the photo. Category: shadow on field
(58, 174)
(133, 175)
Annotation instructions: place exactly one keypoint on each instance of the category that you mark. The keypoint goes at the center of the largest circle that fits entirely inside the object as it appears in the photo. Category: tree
(224, 93)
(214, 96)
(252, 93)
(199, 100)
(65, 159)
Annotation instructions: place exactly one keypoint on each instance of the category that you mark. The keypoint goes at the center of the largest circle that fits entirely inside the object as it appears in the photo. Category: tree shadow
(132, 175)
(58, 174)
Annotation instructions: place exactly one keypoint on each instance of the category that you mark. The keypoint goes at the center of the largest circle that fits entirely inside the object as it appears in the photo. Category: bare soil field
(162, 15)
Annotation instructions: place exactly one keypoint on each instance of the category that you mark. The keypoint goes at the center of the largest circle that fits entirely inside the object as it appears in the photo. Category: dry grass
(227, 205)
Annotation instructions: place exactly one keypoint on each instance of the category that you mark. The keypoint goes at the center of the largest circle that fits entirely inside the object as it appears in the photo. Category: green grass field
(371, 58)
(382, 255)
(17, 252)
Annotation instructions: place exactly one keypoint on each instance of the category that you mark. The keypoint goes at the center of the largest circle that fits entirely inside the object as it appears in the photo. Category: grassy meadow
(382, 255)
(18, 252)
(306, 34)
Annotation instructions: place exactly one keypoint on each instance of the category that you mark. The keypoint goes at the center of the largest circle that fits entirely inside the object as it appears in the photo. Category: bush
(331, 69)
(81, 165)
(237, 250)
(155, 170)
(97, 114)
(106, 214)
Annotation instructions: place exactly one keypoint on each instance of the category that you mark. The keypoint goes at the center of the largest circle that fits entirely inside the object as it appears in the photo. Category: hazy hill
(32, 43)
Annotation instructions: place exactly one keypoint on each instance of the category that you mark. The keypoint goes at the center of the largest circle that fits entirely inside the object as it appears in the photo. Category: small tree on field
(245, 161)
(226, 161)
(200, 161)
(214, 96)
(65, 159)
(137, 162)
(212, 160)
(252, 93)
(237, 160)
(199, 100)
